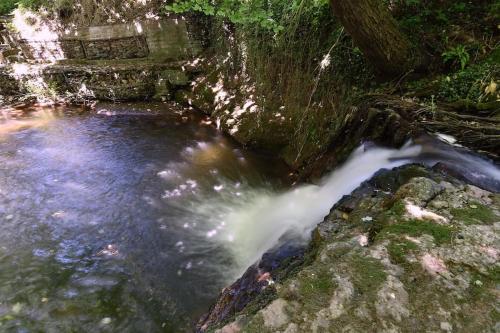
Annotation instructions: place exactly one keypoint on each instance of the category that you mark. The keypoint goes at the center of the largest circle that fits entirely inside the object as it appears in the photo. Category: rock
(419, 213)
(445, 326)
(176, 77)
(257, 280)
(233, 327)
(439, 204)
(433, 265)
(478, 193)
(419, 191)
(341, 297)
(292, 328)
(392, 300)
(274, 314)
(430, 271)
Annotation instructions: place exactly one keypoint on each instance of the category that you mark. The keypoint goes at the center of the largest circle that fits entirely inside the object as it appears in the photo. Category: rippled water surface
(103, 218)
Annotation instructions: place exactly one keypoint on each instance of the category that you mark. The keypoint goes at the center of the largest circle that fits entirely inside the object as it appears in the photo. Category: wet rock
(461, 172)
(419, 190)
(257, 281)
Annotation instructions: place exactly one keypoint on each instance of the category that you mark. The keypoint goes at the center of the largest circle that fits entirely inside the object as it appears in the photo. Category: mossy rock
(475, 213)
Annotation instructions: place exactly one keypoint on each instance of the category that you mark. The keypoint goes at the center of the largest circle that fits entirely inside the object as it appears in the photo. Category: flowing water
(131, 219)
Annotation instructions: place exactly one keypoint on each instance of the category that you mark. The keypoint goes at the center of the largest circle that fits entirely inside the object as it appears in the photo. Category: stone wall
(138, 60)
(124, 82)
(158, 40)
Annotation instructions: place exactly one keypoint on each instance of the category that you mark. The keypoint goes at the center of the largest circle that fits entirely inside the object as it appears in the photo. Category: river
(101, 223)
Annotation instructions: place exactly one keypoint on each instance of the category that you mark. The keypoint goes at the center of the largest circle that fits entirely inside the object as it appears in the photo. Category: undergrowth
(306, 73)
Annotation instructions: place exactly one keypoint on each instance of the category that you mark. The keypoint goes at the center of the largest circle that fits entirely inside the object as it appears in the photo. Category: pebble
(106, 321)
(17, 308)
(446, 326)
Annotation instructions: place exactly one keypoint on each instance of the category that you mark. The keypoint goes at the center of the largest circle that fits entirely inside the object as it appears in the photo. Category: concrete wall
(159, 40)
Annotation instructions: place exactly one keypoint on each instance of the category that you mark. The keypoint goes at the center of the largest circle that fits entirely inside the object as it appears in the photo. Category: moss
(481, 286)
(256, 325)
(368, 274)
(398, 250)
(442, 234)
(398, 209)
(494, 274)
(316, 289)
(479, 215)
(394, 212)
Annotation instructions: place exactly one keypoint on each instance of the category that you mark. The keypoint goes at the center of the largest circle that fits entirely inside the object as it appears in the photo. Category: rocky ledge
(411, 250)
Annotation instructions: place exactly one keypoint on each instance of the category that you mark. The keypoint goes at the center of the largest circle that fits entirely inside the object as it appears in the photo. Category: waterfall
(256, 226)
(256, 222)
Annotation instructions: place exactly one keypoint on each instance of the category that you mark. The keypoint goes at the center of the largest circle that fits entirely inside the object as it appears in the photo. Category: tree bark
(376, 33)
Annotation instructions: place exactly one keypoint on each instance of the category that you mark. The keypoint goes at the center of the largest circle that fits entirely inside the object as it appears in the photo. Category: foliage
(315, 288)
(398, 250)
(265, 14)
(450, 29)
(472, 83)
(458, 54)
(368, 274)
(7, 6)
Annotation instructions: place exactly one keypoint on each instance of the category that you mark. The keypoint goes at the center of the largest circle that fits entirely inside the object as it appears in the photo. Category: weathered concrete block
(72, 49)
(175, 77)
(97, 49)
(128, 48)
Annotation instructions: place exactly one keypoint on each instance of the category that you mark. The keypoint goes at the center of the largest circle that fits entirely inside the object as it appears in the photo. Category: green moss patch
(399, 249)
(475, 213)
(368, 274)
(442, 234)
(316, 289)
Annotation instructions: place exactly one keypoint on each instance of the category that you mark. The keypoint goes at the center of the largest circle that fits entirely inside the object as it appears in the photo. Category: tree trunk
(376, 33)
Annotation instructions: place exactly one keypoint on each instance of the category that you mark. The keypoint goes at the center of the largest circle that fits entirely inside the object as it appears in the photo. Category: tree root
(471, 130)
